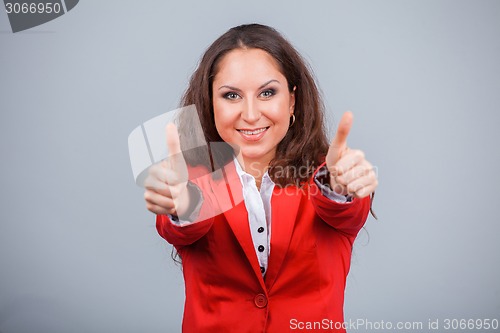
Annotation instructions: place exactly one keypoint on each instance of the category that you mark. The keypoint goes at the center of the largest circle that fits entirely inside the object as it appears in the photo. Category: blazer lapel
(229, 194)
(283, 215)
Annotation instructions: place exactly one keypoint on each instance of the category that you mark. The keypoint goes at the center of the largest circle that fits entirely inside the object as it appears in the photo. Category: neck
(256, 168)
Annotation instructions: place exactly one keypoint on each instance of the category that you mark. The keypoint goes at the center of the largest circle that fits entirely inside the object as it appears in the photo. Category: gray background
(80, 253)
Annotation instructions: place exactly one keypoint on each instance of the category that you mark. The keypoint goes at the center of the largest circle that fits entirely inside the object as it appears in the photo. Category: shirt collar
(245, 177)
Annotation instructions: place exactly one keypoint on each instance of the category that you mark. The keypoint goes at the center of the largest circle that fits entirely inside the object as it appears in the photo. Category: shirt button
(262, 269)
(260, 301)
(261, 248)
(260, 230)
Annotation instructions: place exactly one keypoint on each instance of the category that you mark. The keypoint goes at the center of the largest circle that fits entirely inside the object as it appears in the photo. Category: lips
(253, 134)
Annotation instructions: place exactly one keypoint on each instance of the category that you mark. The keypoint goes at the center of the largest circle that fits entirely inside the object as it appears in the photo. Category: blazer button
(260, 301)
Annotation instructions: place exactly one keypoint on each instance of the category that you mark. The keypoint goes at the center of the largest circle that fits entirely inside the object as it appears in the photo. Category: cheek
(224, 118)
(280, 114)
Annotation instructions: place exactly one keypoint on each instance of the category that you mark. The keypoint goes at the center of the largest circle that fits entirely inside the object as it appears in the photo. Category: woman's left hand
(350, 173)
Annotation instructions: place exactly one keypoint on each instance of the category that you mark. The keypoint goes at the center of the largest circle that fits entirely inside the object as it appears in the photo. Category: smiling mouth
(253, 132)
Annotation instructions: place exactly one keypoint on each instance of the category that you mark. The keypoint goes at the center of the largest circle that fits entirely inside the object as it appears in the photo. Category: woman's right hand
(166, 183)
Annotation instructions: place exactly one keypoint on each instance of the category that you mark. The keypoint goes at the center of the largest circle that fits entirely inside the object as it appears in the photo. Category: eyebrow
(237, 89)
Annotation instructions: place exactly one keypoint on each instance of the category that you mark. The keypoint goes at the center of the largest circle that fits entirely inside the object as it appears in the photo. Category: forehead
(248, 64)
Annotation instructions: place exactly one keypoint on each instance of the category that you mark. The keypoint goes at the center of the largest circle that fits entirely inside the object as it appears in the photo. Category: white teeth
(253, 132)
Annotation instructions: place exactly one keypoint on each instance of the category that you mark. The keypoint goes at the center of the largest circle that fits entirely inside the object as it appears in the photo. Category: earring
(293, 121)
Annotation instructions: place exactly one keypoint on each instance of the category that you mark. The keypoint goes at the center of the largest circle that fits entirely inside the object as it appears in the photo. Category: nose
(250, 112)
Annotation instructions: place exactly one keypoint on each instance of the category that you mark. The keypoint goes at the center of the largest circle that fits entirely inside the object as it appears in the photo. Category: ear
(292, 101)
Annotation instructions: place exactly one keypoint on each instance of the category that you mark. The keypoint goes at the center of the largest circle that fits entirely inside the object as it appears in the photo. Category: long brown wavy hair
(305, 143)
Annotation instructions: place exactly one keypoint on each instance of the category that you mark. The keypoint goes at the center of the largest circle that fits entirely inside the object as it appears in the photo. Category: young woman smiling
(280, 255)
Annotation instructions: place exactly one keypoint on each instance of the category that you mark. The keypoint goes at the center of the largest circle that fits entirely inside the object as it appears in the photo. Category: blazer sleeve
(348, 218)
(182, 235)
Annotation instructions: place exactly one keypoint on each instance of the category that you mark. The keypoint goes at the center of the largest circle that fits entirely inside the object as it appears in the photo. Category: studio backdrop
(79, 251)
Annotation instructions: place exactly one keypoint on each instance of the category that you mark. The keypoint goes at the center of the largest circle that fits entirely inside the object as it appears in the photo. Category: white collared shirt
(258, 205)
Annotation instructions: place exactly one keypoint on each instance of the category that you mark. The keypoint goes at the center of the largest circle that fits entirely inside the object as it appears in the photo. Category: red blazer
(311, 243)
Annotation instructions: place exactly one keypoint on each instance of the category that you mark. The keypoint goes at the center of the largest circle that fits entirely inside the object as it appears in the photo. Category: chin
(254, 153)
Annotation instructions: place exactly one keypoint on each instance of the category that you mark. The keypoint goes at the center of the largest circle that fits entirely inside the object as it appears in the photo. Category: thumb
(339, 142)
(173, 143)
(175, 156)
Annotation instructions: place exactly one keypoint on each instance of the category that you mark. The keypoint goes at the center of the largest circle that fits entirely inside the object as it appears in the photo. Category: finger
(345, 124)
(173, 143)
(349, 160)
(176, 158)
(165, 190)
(366, 191)
(157, 172)
(158, 199)
(360, 183)
(161, 177)
(158, 210)
(158, 182)
(339, 142)
(359, 170)
(339, 188)
(153, 184)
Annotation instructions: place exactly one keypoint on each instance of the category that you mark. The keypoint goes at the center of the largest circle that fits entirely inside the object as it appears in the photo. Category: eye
(268, 93)
(231, 95)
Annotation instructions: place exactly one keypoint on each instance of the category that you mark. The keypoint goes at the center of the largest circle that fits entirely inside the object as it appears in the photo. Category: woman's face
(252, 104)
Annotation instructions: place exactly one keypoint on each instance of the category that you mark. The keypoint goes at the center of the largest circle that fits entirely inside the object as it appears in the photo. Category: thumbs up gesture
(350, 173)
(166, 183)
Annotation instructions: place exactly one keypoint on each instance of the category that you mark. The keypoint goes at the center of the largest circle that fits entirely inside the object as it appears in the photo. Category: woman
(266, 239)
